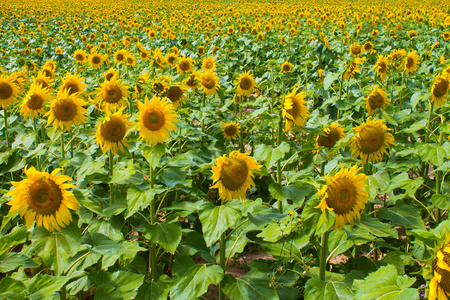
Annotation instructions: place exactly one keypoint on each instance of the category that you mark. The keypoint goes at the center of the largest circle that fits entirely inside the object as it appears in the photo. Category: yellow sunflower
(355, 49)
(381, 67)
(121, 55)
(330, 136)
(47, 72)
(34, 101)
(44, 197)
(376, 99)
(112, 130)
(66, 110)
(233, 175)
(171, 58)
(156, 119)
(44, 81)
(352, 68)
(208, 64)
(8, 91)
(80, 56)
(112, 93)
(175, 93)
(160, 84)
(286, 67)
(344, 194)
(371, 140)
(368, 47)
(245, 84)
(437, 269)
(230, 130)
(73, 83)
(49, 64)
(141, 81)
(185, 65)
(411, 62)
(209, 82)
(96, 60)
(192, 81)
(439, 91)
(110, 74)
(295, 109)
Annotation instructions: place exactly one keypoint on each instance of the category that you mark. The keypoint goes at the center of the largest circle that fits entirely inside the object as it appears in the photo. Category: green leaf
(45, 286)
(215, 220)
(402, 214)
(173, 177)
(194, 240)
(441, 201)
(17, 236)
(290, 192)
(122, 171)
(415, 98)
(195, 282)
(277, 229)
(11, 260)
(154, 153)
(248, 287)
(263, 219)
(270, 155)
(12, 289)
(385, 284)
(55, 248)
(139, 198)
(155, 290)
(104, 245)
(377, 228)
(327, 290)
(166, 235)
(403, 181)
(287, 247)
(329, 79)
(117, 285)
(434, 153)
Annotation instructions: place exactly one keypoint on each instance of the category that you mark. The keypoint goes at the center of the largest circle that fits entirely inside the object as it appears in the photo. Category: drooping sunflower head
(143, 79)
(208, 64)
(47, 72)
(112, 130)
(330, 136)
(96, 60)
(344, 194)
(110, 74)
(185, 65)
(161, 84)
(286, 67)
(44, 197)
(112, 93)
(371, 141)
(44, 81)
(209, 82)
(66, 110)
(231, 130)
(411, 62)
(192, 81)
(439, 91)
(50, 64)
(80, 56)
(381, 66)
(9, 91)
(233, 175)
(376, 99)
(176, 94)
(21, 79)
(355, 49)
(352, 68)
(34, 101)
(156, 119)
(245, 84)
(295, 109)
(73, 83)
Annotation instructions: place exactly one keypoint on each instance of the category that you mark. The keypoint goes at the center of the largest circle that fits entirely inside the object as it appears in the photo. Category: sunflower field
(224, 150)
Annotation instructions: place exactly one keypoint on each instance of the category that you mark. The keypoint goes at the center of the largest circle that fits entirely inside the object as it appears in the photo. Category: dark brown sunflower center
(191, 81)
(44, 196)
(245, 83)
(184, 65)
(35, 102)
(171, 59)
(96, 60)
(208, 83)
(376, 100)
(158, 87)
(113, 130)
(381, 66)
(367, 47)
(6, 90)
(65, 110)
(175, 93)
(108, 76)
(209, 65)
(120, 57)
(409, 62)
(329, 139)
(294, 111)
(440, 88)
(231, 130)
(445, 275)
(72, 87)
(286, 68)
(42, 82)
(371, 139)
(234, 174)
(154, 120)
(112, 94)
(356, 50)
(341, 195)
(130, 60)
(48, 73)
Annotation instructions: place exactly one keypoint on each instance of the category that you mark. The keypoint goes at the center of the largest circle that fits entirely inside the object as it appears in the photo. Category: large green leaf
(12, 289)
(194, 240)
(377, 228)
(174, 177)
(195, 282)
(139, 197)
(11, 260)
(117, 285)
(154, 153)
(327, 290)
(104, 245)
(248, 287)
(122, 171)
(155, 290)
(402, 214)
(290, 192)
(167, 235)
(215, 220)
(44, 286)
(385, 284)
(270, 155)
(17, 236)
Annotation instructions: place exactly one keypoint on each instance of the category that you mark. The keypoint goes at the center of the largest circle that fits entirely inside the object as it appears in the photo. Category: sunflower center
(371, 139)
(109, 76)
(234, 174)
(341, 195)
(44, 196)
(381, 67)
(230, 130)
(191, 81)
(35, 102)
(208, 83)
(445, 275)
(65, 110)
(441, 88)
(356, 50)
(79, 57)
(154, 120)
(286, 68)
(409, 62)
(184, 66)
(120, 57)
(113, 130)
(158, 87)
(209, 65)
(71, 87)
(96, 60)
(113, 94)
(329, 139)
(376, 100)
(6, 90)
(245, 83)
(175, 93)
(294, 110)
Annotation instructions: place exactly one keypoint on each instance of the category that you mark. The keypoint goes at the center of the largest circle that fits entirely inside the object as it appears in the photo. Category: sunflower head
(112, 93)
(160, 85)
(330, 136)
(66, 110)
(96, 60)
(209, 82)
(110, 74)
(176, 94)
(80, 56)
(344, 194)
(73, 83)
(371, 140)
(411, 62)
(439, 91)
(295, 109)
(208, 64)
(233, 175)
(355, 49)
(44, 197)
(121, 55)
(353, 68)
(368, 47)
(376, 99)
(381, 66)
(231, 130)
(34, 101)
(191, 82)
(286, 67)
(171, 58)
(8, 91)
(245, 84)
(185, 65)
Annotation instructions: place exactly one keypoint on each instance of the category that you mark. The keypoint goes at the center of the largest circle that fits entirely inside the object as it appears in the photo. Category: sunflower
(344, 194)
(44, 197)
(156, 119)
(44, 81)
(175, 94)
(209, 82)
(121, 55)
(171, 58)
(80, 56)
(330, 136)
(411, 61)
(159, 58)
(8, 90)
(96, 60)
(141, 81)
(286, 67)
(49, 64)
(110, 74)
(376, 99)
(439, 91)
(192, 81)
(20, 79)
(355, 49)
(185, 65)
(352, 68)
(320, 75)
(73, 83)
(112, 130)
(233, 175)
(446, 35)
(437, 269)
(47, 72)
(260, 36)
(371, 140)
(374, 33)
(230, 130)
(66, 110)
(112, 93)
(381, 67)
(131, 60)
(208, 64)
(34, 100)
(160, 84)
(368, 47)
(295, 109)
(245, 84)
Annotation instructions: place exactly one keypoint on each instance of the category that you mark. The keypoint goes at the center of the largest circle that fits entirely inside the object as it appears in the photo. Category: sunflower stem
(36, 141)
(152, 256)
(279, 173)
(323, 255)
(241, 135)
(63, 292)
(111, 185)
(63, 154)
(222, 262)
(203, 119)
(439, 178)
(71, 144)
(340, 96)
(423, 166)
(403, 84)
(5, 127)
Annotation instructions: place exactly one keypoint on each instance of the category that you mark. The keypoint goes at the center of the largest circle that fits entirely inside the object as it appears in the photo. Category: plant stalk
(323, 255)
(152, 256)
(222, 262)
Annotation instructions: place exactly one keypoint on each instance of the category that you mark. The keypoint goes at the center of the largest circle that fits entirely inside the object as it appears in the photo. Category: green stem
(71, 144)
(439, 179)
(279, 173)
(111, 166)
(323, 255)
(241, 134)
(63, 293)
(63, 154)
(36, 141)
(340, 96)
(423, 167)
(203, 119)
(5, 127)
(152, 256)
(222, 262)
(403, 83)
